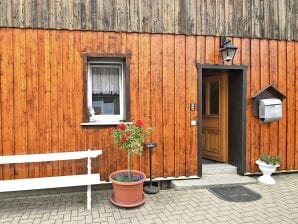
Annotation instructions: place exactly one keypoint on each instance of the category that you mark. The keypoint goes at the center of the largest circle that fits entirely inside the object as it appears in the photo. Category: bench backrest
(46, 157)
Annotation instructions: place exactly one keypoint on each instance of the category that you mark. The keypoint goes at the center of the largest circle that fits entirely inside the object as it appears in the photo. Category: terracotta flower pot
(127, 194)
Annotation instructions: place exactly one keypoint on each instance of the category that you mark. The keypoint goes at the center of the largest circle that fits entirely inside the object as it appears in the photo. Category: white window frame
(107, 119)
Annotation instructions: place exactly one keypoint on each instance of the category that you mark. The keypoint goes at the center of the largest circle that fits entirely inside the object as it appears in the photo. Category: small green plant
(82, 198)
(273, 160)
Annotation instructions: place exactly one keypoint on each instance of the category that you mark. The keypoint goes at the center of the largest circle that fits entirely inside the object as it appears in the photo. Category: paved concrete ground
(279, 204)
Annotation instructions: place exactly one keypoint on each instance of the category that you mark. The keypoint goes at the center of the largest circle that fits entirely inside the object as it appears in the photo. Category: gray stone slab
(212, 180)
(218, 168)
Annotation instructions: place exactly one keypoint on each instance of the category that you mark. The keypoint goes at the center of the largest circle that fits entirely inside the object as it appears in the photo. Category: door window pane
(214, 98)
(204, 98)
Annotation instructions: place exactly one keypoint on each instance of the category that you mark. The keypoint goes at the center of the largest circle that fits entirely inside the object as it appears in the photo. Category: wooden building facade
(163, 43)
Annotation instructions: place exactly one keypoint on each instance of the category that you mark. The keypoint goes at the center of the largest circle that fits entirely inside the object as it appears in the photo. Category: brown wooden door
(215, 117)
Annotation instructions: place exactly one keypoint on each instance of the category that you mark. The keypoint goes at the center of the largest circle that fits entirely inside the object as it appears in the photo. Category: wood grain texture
(296, 109)
(132, 9)
(7, 108)
(238, 18)
(156, 16)
(200, 58)
(31, 51)
(50, 14)
(282, 86)
(255, 87)
(220, 14)
(56, 72)
(273, 73)
(180, 105)
(132, 44)
(255, 15)
(67, 100)
(191, 96)
(145, 91)
(246, 60)
(1, 148)
(210, 17)
(264, 73)
(168, 103)
(291, 105)
(157, 101)
(247, 18)
(76, 13)
(42, 119)
(43, 73)
(210, 50)
(229, 15)
(237, 57)
(168, 16)
(19, 100)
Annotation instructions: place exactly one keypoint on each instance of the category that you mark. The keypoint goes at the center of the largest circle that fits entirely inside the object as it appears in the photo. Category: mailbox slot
(270, 109)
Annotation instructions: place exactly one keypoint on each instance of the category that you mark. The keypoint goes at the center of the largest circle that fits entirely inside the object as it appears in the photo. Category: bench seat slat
(48, 182)
(46, 157)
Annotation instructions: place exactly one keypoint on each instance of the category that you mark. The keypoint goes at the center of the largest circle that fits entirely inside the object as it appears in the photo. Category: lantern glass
(228, 53)
(224, 54)
(228, 50)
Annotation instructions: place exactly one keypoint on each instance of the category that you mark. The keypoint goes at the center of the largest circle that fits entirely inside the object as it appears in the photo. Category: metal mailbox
(270, 109)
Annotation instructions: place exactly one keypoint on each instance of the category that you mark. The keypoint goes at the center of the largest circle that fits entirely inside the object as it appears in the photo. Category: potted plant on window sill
(128, 184)
(268, 165)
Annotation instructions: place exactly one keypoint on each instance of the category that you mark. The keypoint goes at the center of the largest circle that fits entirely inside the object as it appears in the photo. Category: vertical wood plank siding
(239, 18)
(42, 98)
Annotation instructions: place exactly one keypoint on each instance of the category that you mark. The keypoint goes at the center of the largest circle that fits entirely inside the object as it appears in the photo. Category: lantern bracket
(223, 41)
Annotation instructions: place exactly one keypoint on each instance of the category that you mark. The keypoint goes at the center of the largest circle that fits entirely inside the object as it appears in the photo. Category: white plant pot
(267, 170)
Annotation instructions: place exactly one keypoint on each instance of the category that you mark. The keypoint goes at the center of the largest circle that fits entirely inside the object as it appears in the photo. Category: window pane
(204, 98)
(105, 80)
(214, 97)
(105, 104)
(105, 90)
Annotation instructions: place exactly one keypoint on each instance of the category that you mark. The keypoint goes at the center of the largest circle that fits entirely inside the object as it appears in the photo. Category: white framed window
(106, 91)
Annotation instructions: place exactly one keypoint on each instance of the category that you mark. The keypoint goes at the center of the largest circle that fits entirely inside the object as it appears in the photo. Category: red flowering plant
(131, 138)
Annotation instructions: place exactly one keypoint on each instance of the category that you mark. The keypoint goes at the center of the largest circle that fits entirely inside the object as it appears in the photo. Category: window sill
(104, 123)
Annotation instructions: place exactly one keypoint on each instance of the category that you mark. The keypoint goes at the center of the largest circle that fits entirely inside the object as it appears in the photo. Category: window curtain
(105, 81)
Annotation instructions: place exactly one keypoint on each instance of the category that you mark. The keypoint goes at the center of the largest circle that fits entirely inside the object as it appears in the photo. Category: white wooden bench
(52, 182)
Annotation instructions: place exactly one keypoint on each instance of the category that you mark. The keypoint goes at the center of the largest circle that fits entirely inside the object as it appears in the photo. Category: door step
(218, 168)
(211, 181)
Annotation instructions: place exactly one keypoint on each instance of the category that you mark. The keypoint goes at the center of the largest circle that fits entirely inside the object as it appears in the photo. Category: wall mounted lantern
(227, 49)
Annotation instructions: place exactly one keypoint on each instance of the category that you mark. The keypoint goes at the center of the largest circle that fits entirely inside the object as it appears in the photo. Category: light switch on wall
(193, 122)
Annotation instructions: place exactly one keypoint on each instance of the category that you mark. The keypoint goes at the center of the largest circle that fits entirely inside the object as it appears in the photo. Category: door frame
(238, 72)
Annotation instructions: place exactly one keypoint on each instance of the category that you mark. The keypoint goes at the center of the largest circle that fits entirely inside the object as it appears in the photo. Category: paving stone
(88, 219)
(158, 221)
(148, 221)
(77, 218)
(15, 220)
(279, 204)
(48, 222)
(134, 221)
(123, 221)
(59, 221)
(100, 220)
(37, 220)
